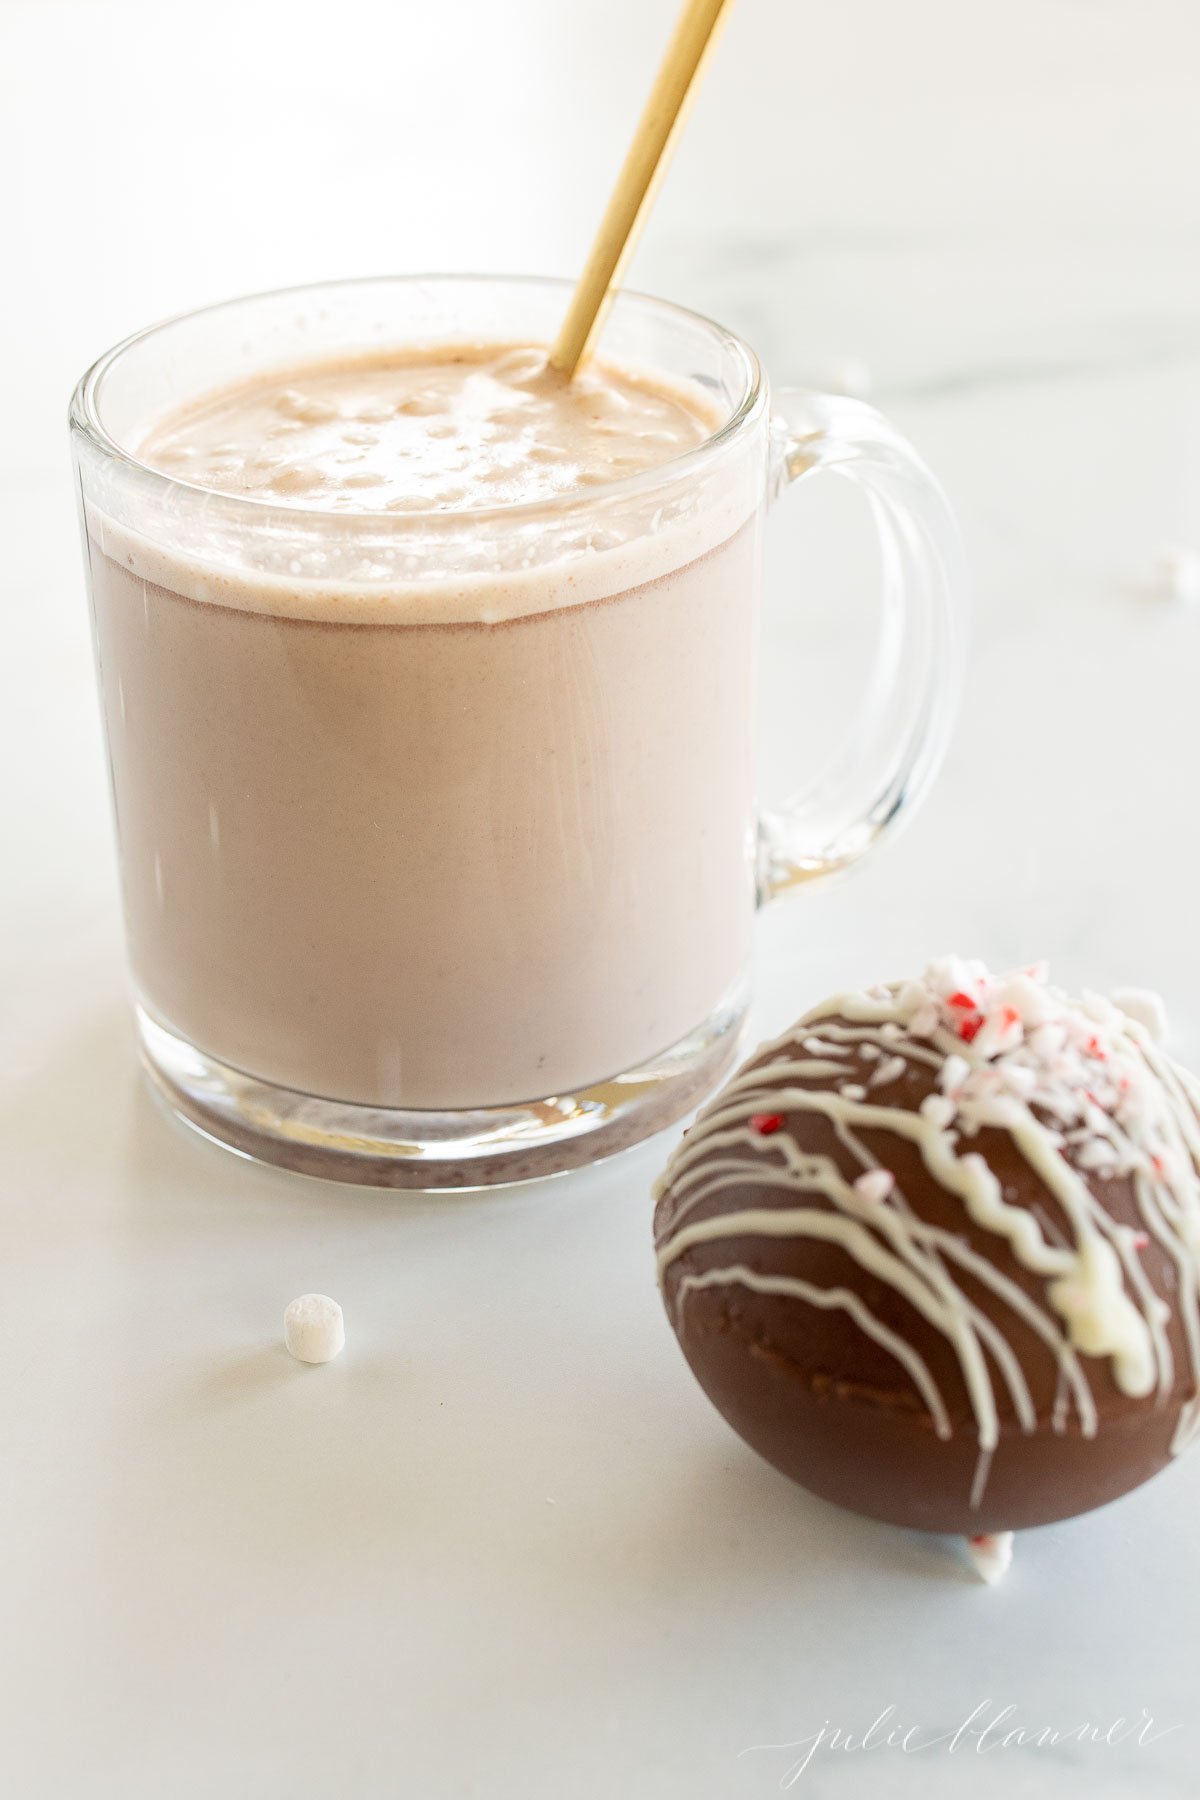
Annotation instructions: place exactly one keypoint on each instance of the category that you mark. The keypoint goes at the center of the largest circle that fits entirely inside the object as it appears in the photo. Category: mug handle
(900, 733)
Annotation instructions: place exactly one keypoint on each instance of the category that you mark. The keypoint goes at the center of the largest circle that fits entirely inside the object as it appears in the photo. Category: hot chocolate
(433, 845)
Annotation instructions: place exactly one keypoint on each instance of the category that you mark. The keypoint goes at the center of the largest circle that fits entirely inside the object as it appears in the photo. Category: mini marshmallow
(1146, 1008)
(1177, 573)
(313, 1329)
(849, 375)
(992, 1555)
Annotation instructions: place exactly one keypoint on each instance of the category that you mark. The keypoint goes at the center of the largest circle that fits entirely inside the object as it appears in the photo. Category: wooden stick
(694, 35)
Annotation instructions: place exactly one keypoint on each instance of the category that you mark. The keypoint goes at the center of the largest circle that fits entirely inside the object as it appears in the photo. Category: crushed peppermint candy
(992, 1554)
(1025, 1044)
(939, 1110)
(875, 1185)
(892, 1068)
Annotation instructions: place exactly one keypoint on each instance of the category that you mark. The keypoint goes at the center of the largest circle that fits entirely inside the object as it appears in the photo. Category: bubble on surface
(305, 407)
(299, 478)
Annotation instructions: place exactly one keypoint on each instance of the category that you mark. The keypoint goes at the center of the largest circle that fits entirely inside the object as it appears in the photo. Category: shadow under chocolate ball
(938, 1263)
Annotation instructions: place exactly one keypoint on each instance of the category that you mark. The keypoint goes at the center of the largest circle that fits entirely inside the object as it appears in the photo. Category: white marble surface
(503, 1547)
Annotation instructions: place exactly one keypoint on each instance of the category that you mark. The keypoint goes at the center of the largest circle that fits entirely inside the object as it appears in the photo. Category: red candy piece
(963, 1001)
(766, 1123)
(969, 1030)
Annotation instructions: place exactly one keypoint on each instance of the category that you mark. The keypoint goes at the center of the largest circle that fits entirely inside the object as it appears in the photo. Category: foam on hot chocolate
(409, 472)
(450, 429)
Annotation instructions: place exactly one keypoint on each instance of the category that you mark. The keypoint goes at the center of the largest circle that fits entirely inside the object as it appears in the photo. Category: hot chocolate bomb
(935, 1253)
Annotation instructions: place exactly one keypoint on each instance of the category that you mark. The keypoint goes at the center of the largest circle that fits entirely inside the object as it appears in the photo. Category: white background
(504, 1548)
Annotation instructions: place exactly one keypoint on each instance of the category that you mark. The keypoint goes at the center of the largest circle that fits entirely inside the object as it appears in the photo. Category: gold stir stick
(694, 35)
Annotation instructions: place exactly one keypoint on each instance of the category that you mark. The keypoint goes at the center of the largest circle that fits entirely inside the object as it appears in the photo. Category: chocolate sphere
(935, 1253)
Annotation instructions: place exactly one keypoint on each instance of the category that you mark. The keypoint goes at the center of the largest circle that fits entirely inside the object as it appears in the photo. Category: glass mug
(436, 830)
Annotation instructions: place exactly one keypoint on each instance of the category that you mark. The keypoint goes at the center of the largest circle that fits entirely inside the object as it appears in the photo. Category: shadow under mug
(437, 835)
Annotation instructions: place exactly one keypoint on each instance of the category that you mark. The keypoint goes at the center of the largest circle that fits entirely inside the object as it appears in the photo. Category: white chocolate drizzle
(1083, 1092)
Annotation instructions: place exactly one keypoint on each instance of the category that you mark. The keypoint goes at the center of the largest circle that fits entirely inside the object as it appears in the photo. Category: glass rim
(86, 420)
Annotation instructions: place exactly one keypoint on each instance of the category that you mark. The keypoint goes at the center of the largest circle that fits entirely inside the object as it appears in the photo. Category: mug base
(486, 1147)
